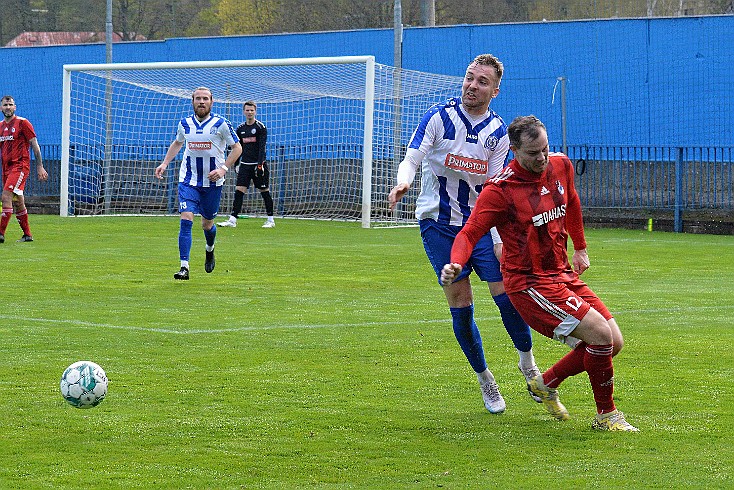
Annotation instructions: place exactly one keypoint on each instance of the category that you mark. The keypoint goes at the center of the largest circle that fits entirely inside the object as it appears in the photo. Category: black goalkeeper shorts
(259, 175)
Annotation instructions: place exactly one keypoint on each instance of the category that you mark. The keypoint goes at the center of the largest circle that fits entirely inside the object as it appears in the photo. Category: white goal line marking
(79, 323)
(244, 328)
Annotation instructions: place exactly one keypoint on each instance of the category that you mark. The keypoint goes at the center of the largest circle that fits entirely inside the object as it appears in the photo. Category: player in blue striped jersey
(458, 145)
(201, 174)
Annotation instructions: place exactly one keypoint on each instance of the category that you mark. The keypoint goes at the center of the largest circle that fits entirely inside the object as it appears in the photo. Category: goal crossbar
(169, 65)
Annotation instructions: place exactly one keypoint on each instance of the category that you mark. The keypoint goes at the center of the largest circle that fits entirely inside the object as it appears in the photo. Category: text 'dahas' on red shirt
(534, 214)
(14, 142)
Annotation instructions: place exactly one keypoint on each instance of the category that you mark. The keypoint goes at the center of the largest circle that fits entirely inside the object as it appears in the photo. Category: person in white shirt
(458, 145)
(201, 174)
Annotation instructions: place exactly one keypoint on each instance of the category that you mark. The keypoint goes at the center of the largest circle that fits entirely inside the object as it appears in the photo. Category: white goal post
(337, 128)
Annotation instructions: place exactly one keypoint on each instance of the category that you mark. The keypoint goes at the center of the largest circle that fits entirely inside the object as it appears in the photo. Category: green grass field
(321, 355)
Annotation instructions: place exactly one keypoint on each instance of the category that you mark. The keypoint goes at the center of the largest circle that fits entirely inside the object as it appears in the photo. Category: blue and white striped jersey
(460, 152)
(204, 146)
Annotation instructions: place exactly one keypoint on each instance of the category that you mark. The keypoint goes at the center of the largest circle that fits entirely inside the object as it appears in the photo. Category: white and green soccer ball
(84, 384)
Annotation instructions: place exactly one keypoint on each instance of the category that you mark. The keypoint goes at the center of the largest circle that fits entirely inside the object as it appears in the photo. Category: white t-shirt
(204, 146)
(457, 153)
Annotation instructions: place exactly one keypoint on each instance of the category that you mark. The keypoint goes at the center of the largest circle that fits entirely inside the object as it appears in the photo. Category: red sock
(5, 219)
(569, 365)
(22, 217)
(598, 363)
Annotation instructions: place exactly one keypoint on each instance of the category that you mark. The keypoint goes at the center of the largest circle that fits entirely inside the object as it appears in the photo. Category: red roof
(51, 38)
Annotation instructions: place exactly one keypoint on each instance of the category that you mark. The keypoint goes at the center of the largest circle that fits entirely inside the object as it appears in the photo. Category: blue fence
(653, 95)
(627, 81)
(638, 179)
(52, 163)
(656, 178)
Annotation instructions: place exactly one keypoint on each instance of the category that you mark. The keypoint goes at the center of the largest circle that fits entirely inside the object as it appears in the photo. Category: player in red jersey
(16, 138)
(535, 207)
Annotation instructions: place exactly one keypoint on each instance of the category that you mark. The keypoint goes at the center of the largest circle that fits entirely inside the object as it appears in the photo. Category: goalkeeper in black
(253, 166)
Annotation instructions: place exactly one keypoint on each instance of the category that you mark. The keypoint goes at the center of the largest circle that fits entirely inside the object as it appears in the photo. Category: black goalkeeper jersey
(253, 138)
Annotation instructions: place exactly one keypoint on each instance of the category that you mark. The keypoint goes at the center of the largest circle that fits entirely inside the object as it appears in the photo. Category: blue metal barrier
(643, 178)
(650, 178)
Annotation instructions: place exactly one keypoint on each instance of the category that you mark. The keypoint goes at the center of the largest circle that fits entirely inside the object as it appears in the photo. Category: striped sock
(599, 367)
(22, 217)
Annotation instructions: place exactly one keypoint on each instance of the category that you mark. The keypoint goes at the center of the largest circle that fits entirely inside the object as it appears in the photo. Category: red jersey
(534, 214)
(14, 142)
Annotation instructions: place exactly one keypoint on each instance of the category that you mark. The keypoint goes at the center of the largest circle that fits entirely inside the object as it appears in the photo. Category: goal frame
(369, 107)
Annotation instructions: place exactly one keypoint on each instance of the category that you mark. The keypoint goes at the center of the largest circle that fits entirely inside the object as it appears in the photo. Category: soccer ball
(84, 384)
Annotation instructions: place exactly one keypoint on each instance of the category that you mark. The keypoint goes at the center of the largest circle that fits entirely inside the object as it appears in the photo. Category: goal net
(337, 130)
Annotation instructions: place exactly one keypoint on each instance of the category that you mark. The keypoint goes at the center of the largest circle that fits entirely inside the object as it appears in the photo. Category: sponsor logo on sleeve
(471, 165)
(491, 142)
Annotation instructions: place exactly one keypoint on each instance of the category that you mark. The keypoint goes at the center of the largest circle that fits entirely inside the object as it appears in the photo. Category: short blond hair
(211, 95)
(490, 60)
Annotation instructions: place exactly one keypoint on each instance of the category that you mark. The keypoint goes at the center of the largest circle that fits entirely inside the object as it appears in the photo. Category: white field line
(243, 328)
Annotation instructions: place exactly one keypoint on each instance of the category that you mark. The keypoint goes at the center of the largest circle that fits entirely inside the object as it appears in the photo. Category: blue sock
(514, 324)
(211, 235)
(184, 239)
(467, 333)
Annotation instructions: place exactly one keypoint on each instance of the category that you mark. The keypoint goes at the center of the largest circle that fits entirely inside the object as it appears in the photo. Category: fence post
(563, 114)
(171, 175)
(280, 160)
(678, 218)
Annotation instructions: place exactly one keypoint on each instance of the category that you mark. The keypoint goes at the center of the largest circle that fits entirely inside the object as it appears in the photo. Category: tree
(155, 19)
(450, 12)
(159, 19)
(15, 19)
(270, 16)
(247, 16)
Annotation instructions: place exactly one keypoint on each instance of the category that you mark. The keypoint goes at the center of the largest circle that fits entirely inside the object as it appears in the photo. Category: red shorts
(14, 179)
(555, 310)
